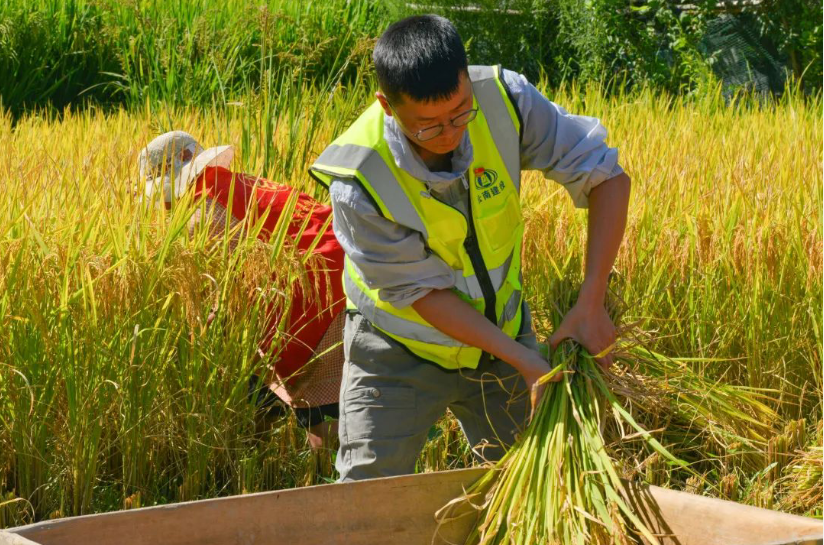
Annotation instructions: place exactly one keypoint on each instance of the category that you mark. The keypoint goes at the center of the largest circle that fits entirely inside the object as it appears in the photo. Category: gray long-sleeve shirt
(394, 259)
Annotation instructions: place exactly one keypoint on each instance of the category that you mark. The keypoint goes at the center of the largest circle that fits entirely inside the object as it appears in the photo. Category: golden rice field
(114, 394)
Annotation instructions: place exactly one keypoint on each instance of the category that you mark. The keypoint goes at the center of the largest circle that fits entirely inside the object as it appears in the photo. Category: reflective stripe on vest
(471, 286)
(394, 324)
(372, 166)
(497, 109)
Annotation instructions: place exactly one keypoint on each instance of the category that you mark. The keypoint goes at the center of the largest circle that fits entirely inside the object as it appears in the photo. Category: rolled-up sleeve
(569, 149)
(389, 256)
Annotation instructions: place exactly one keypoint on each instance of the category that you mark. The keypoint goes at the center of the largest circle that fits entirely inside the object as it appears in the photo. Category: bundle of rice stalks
(701, 415)
(558, 484)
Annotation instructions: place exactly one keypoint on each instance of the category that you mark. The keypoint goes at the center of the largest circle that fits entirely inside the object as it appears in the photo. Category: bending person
(175, 163)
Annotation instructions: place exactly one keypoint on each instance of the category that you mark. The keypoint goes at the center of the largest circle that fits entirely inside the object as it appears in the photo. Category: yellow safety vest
(484, 251)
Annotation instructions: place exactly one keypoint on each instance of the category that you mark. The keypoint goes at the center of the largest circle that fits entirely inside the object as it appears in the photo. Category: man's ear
(384, 103)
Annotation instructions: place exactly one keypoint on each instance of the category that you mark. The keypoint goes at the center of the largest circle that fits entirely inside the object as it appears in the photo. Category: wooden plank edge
(47, 531)
(807, 530)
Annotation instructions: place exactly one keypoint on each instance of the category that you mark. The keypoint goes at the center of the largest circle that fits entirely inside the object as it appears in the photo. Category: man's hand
(590, 326)
(450, 314)
(532, 367)
(588, 322)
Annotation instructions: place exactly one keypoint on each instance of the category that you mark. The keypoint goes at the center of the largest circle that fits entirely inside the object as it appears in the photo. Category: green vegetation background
(195, 52)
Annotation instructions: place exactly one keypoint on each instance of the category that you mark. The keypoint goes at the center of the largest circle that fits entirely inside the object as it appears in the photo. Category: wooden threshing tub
(395, 510)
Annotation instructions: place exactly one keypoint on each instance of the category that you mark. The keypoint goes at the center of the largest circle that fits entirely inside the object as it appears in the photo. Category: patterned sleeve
(212, 213)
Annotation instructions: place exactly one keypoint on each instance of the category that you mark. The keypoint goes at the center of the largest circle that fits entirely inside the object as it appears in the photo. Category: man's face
(414, 116)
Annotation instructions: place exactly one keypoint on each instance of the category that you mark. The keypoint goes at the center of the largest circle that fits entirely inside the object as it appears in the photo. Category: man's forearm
(608, 203)
(455, 317)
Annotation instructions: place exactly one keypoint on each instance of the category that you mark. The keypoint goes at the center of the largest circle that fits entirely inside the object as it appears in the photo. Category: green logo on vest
(484, 178)
(487, 184)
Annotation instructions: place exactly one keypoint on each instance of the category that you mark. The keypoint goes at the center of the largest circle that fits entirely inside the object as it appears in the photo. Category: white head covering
(162, 164)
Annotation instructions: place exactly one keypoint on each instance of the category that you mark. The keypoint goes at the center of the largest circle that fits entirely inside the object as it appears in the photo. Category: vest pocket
(499, 229)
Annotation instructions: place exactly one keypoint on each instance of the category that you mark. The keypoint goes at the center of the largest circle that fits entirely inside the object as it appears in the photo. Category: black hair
(422, 57)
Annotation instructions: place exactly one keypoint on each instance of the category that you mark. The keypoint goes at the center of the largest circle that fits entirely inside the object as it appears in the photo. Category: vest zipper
(481, 272)
(476, 258)
(470, 244)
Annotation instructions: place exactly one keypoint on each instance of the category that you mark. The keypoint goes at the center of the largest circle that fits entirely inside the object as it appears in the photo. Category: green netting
(741, 57)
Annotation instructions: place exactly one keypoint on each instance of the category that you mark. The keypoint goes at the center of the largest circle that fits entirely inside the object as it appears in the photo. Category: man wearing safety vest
(425, 195)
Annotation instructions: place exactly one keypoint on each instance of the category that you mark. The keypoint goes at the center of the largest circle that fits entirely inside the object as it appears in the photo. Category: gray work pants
(390, 398)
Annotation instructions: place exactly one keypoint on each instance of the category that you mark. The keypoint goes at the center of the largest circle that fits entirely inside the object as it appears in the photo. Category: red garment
(307, 322)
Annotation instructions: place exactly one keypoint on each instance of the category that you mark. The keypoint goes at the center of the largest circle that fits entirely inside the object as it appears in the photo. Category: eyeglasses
(434, 131)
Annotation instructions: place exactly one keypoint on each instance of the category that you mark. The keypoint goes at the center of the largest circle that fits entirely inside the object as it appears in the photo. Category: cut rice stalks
(558, 484)
(700, 419)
